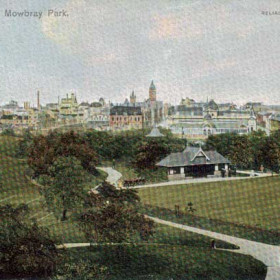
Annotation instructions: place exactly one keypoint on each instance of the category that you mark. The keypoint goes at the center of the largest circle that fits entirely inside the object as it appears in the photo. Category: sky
(225, 50)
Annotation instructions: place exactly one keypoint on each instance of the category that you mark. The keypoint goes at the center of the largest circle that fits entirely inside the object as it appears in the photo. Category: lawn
(253, 202)
(168, 262)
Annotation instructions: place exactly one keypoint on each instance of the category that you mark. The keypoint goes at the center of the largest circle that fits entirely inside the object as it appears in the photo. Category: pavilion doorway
(200, 170)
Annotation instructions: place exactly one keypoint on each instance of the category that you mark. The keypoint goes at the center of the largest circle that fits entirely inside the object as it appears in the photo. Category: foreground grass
(168, 262)
(254, 202)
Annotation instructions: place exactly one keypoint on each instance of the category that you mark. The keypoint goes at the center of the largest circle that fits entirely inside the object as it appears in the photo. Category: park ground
(171, 251)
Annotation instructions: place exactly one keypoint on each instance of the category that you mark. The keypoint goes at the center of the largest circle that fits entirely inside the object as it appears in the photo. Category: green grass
(168, 262)
(254, 202)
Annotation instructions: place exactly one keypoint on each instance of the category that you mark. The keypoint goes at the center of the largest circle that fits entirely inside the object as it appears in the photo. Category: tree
(237, 148)
(24, 144)
(270, 152)
(45, 149)
(64, 187)
(149, 152)
(111, 216)
(257, 140)
(26, 250)
(8, 132)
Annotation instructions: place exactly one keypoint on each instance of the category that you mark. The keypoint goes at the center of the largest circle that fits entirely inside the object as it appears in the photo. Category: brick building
(125, 117)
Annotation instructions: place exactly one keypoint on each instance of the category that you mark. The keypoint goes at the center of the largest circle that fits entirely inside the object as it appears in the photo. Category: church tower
(133, 98)
(152, 92)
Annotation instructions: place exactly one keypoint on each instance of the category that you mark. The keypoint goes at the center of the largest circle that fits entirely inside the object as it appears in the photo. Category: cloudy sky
(226, 50)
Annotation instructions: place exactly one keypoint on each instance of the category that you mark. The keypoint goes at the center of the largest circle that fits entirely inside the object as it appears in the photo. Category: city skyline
(227, 51)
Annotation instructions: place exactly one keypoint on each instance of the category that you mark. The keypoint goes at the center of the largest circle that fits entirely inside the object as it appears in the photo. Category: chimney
(38, 100)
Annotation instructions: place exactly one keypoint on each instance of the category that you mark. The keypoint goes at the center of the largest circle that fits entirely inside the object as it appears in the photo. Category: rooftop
(192, 156)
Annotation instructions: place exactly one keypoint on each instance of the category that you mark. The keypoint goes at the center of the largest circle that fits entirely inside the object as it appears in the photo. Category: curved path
(113, 175)
(268, 254)
(194, 181)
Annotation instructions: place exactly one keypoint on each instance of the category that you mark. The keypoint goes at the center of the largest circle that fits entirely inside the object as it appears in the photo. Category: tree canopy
(44, 150)
(248, 151)
(64, 186)
(25, 248)
(111, 215)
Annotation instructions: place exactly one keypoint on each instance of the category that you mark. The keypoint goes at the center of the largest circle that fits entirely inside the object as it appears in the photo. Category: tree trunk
(64, 215)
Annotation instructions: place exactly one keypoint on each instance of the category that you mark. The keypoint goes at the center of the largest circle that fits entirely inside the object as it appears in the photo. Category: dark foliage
(25, 248)
(111, 215)
(44, 150)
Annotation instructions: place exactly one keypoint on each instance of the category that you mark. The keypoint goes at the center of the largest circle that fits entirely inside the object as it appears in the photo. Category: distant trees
(111, 215)
(233, 146)
(149, 152)
(64, 186)
(126, 144)
(270, 151)
(248, 151)
(26, 250)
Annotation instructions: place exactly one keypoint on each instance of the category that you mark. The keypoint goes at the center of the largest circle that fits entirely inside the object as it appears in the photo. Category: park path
(268, 254)
(113, 175)
(195, 181)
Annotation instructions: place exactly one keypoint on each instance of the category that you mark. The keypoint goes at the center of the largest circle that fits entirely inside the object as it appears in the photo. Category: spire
(152, 86)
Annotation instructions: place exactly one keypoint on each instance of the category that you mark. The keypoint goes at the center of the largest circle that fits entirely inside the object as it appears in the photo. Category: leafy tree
(257, 140)
(45, 149)
(8, 132)
(25, 248)
(236, 148)
(111, 216)
(24, 144)
(64, 188)
(270, 151)
(149, 152)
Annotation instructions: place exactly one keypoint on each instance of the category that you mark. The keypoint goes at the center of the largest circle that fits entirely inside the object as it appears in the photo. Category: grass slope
(169, 262)
(254, 202)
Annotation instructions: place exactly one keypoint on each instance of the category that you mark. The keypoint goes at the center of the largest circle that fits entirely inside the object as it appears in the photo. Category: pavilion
(155, 133)
(194, 162)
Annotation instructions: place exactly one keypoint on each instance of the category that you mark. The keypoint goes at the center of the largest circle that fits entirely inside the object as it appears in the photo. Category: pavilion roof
(155, 133)
(192, 156)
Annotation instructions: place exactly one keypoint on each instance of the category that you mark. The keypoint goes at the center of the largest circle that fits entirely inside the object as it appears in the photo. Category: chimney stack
(38, 100)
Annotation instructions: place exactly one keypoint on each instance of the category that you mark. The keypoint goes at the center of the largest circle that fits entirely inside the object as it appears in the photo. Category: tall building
(132, 98)
(69, 105)
(206, 119)
(125, 118)
(152, 92)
